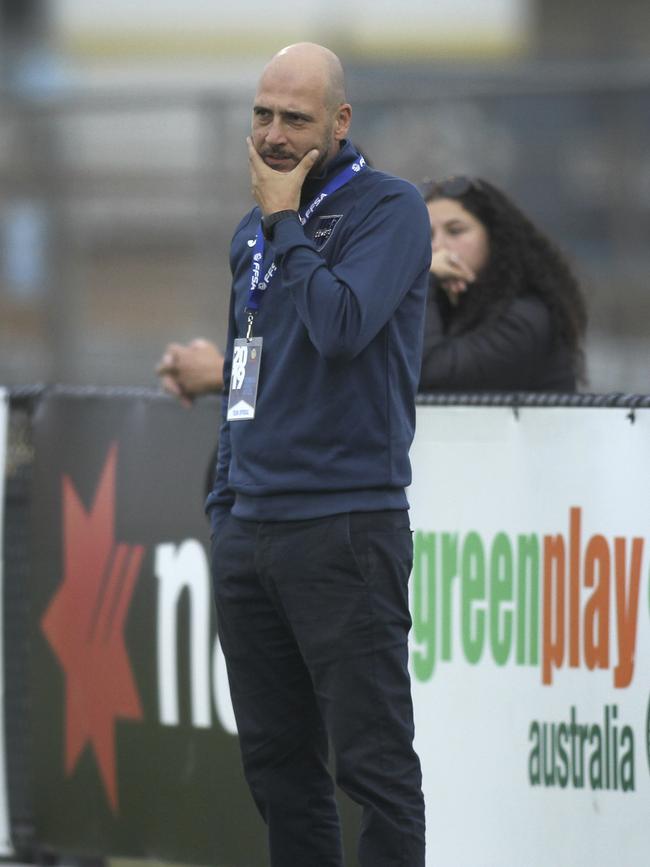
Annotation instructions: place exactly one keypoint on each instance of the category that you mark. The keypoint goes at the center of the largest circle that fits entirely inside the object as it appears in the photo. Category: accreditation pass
(244, 377)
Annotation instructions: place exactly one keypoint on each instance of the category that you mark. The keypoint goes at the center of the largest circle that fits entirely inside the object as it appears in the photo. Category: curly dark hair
(522, 261)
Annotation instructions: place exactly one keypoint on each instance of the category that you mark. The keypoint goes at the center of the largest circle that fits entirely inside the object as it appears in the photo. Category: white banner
(530, 649)
(5, 837)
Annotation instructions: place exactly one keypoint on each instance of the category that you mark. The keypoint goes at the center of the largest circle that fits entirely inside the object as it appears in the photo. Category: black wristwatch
(269, 221)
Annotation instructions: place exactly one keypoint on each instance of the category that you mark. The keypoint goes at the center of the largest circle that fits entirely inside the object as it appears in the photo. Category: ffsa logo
(84, 625)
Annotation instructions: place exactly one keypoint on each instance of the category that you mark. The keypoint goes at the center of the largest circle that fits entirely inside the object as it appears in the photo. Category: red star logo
(84, 625)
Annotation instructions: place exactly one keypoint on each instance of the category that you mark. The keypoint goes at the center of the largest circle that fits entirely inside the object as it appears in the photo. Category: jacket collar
(312, 186)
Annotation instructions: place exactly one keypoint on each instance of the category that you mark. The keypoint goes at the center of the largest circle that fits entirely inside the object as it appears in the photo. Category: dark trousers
(313, 619)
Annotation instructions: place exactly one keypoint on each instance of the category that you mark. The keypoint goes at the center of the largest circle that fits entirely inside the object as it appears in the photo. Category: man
(311, 545)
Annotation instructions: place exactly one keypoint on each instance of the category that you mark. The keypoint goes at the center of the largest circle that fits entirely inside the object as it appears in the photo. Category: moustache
(278, 153)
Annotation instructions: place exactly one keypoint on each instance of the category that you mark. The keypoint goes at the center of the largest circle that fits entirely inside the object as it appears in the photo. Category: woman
(504, 311)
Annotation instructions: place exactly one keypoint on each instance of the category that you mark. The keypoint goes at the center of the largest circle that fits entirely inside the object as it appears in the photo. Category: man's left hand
(278, 191)
(187, 371)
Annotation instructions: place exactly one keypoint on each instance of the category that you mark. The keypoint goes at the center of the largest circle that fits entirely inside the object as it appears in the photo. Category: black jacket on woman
(514, 348)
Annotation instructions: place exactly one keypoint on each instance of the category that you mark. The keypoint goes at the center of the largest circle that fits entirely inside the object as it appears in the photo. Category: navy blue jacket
(342, 324)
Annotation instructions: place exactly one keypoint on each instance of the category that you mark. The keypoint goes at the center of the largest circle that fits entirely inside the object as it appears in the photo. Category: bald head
(316, 65)
(299, 106)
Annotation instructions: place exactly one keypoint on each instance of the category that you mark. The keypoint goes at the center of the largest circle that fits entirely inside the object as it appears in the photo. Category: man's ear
(342, 121)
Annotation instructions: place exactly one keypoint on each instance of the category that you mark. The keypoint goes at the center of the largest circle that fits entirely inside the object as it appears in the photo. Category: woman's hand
(452, 273)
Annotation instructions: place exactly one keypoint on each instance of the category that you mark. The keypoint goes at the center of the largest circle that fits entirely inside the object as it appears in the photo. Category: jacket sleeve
(221, 499)
(345, 307)
(503, 352)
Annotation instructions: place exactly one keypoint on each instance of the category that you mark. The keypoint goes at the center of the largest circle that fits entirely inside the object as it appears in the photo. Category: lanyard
(259, 286)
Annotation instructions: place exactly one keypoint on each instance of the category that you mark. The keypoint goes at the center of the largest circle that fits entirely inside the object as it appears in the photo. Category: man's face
(290, 118)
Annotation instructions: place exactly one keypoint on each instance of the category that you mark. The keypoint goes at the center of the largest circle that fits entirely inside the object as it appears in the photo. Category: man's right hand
(278, 191)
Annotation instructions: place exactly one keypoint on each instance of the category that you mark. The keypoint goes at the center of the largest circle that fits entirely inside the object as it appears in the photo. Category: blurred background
(123, 167)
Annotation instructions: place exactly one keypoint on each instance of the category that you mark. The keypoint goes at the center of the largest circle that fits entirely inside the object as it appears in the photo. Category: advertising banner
(134, 746)
(530, 649)
(531, 634)
(134, 739)
(5, 841)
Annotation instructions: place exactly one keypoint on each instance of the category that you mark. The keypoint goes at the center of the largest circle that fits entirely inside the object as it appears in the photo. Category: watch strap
(269, 221)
